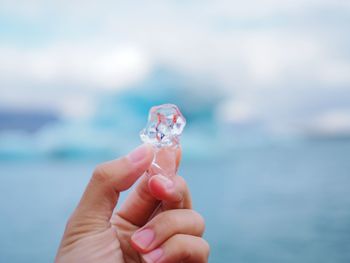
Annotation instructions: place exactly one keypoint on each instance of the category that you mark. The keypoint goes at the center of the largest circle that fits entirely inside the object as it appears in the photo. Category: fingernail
(165, 181)
(138, 154)
(143, 238)
(153, 256)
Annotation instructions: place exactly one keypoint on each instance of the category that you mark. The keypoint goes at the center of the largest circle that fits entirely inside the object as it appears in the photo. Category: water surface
(281, 203)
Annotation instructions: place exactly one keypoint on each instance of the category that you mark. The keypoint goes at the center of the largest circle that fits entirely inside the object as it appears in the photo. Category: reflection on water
(268, 204)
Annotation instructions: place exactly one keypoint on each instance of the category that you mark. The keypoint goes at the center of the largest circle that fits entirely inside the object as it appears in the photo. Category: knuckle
(70, 222)
(197, 222)
(100, 174)
(175, 220)
(169, 219)
(180, 221)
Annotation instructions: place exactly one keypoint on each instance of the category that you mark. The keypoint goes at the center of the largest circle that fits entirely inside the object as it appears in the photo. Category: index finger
(110, 178)
(141, 203)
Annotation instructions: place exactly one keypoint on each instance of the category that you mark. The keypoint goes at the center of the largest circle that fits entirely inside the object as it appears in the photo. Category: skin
(156, 222)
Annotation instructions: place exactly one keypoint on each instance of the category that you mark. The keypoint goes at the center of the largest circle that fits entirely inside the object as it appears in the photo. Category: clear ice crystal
(164, 127)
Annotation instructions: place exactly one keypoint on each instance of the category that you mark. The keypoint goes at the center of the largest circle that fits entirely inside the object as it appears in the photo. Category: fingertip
(136, 247)
(163, 188)
(156, 188)
(162, 181)
(124, 171)
(160, 184)
(140, 158)
(112, 177)
(142, 153)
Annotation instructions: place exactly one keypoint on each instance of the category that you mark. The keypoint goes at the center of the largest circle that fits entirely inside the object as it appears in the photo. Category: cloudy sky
(285, 63)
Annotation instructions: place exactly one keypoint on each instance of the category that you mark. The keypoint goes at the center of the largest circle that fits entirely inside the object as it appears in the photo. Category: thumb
(109, 179)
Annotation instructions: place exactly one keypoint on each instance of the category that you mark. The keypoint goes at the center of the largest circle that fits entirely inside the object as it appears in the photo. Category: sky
(283, 63)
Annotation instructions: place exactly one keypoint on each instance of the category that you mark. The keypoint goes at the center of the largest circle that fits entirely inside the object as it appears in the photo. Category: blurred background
(265, 88)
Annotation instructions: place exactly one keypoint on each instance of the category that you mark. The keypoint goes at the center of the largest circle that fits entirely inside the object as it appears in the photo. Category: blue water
(281, 203)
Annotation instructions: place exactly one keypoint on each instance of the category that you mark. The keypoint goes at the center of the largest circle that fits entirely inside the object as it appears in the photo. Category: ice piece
(163, 129)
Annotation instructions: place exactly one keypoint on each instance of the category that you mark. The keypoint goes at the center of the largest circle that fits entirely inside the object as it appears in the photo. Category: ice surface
(164, 127)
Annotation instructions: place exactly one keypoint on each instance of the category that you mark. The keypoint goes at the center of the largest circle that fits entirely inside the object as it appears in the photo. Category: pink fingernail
(143, 238)
(138, 154)
(153, 256)
(165, 181)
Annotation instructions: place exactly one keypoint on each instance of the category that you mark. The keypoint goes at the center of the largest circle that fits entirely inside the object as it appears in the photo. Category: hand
(155, 223)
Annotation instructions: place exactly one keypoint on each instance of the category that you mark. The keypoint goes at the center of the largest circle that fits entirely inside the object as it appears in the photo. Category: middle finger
(165, 225)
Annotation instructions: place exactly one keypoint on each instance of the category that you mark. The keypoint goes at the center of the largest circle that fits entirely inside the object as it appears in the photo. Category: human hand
(156, 223)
